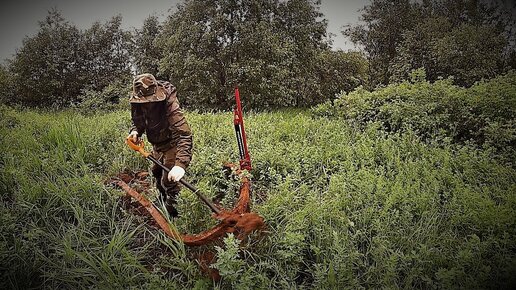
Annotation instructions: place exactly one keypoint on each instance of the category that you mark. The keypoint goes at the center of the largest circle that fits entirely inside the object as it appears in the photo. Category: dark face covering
(152, 119)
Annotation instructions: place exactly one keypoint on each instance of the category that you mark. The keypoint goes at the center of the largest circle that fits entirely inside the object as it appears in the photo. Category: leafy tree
(45, 68)
(146, 55)
(305, 33)
(53, 67)
(341, 71)
(6, 86)
(445, 37)
(269, 48)
(192, 51)
(458, 11)
(105, 51)
(384, 22)
(469, 53)
(415, 49)
(466, 52)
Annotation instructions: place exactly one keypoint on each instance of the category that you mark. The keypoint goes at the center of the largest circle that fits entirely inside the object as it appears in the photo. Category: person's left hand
(176, 173)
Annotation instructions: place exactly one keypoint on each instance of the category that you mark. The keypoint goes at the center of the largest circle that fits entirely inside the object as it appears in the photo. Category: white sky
(19, 18)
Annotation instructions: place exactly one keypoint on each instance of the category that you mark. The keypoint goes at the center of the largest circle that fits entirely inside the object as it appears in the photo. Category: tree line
(467, 40)
(278, 52)
(61, 62)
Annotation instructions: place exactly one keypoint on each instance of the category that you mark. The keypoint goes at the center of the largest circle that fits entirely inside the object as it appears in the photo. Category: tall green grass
(345, 208)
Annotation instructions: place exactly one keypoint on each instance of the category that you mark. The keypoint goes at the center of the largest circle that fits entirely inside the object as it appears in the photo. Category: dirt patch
(137, 180)
(125, 177)
(135, 208)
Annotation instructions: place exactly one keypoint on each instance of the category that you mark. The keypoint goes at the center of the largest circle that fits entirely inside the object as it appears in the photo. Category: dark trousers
(169, 190)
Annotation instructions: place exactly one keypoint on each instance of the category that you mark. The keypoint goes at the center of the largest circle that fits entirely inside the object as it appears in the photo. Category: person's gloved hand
(133, 136)
(176, 173)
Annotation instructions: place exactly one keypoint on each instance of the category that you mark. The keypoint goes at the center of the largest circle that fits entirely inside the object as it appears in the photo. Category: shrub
(483, 114)
(112, 97)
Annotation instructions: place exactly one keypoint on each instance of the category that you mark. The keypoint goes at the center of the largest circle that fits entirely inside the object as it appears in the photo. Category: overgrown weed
(345, 207)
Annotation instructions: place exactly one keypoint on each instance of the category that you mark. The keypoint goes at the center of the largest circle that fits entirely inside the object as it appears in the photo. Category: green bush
(113, 96)
(483, 114)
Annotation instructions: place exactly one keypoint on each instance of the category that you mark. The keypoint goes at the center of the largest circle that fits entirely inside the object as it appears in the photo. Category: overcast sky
(19, 18)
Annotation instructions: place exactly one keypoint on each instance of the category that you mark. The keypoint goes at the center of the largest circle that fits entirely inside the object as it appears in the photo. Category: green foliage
(466, 52)
(113, 96)
(43, 69)
(480, 54)
(104, 54)
(228, 262)
(53, 67)
(468, 40)
(274, 50)
(234, 270)
(61, 226)
(146, 55)
(342, 72)
(438, 112)
(345, 207)
(383, 23)
(5, 87)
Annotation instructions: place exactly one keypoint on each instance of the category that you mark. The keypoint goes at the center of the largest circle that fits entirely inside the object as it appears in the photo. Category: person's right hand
(133, 136)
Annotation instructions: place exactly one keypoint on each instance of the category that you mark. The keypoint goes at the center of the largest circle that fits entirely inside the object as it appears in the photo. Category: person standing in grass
(155, 111)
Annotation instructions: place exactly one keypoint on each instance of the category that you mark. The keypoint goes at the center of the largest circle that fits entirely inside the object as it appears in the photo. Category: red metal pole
(245, 159)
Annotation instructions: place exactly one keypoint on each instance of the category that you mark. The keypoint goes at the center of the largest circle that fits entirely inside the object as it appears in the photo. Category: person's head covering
(146, 89)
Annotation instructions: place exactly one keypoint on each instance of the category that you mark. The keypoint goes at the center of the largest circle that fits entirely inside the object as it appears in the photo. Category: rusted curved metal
(237, 220)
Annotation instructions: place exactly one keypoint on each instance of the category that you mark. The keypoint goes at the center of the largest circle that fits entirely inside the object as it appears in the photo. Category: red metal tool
(245, 159)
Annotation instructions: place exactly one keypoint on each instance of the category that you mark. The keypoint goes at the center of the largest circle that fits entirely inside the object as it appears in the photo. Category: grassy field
(345, 207)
